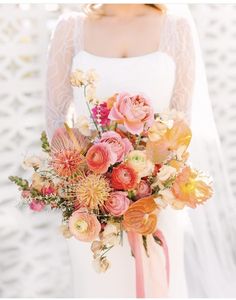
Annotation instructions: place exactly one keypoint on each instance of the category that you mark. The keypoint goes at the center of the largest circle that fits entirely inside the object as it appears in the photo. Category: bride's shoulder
(70, 18)
(176, 20)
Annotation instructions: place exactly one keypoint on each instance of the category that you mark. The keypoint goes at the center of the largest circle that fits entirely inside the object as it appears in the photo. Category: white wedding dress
(166, 76)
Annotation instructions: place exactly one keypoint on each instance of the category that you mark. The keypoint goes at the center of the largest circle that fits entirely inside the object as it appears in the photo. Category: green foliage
(22, 183)
(45, 143)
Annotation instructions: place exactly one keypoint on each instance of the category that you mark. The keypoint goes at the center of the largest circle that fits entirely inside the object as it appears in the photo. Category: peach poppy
(191, 188)
(141, 216)
(179, 135)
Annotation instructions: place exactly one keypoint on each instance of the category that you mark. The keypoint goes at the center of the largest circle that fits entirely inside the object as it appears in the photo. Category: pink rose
(120, 146)
(36, 205)
(134, 111)
(143, 189)
(117, 204)
(84, 226)
(99, 157)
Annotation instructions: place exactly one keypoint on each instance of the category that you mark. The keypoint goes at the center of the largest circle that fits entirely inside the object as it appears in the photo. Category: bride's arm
(59, 60)
(184, 55)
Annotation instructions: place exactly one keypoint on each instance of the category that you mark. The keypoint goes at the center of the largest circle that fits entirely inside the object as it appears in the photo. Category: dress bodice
(152, 74)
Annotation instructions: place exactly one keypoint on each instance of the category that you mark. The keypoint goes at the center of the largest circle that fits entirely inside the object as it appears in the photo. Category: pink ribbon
(136, 244)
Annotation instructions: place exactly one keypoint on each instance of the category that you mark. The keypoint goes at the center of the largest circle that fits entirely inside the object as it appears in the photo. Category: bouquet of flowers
(114, 171)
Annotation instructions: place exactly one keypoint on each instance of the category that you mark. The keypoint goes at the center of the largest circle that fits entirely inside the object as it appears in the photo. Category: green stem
(91, 115)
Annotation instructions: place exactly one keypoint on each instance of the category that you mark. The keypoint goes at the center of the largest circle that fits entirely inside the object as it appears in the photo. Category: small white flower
(91, 76)
(77, 78)
(82, 124)
(96, 248)
(64, 229)
(101, 264)
(110, 235)
(32, 162)
(166, 172)
(91, 94)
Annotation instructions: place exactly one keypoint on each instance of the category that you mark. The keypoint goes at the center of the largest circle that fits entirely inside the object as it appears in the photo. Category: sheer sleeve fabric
(178, 43)
(59, 96)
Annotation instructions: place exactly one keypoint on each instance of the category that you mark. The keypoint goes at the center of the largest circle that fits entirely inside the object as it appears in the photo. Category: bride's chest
(152, 74)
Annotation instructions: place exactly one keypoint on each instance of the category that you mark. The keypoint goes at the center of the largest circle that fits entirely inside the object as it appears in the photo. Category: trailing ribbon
(136, 244)
(158, 234)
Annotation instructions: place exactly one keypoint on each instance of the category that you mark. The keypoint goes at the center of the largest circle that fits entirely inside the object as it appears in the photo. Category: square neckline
(83, 50)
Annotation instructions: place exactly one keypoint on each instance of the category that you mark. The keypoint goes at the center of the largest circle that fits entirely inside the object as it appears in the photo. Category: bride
(141, 48)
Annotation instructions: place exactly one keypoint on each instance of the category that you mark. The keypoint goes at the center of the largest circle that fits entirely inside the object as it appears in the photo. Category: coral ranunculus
(117, 204)
(123, 177)
(141, 216)
(84, 226)
(191, 188)
(120, 146)
(99, 157)
(133, 111)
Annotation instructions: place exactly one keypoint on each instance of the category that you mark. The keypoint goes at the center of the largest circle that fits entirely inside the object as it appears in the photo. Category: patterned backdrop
(33, 256)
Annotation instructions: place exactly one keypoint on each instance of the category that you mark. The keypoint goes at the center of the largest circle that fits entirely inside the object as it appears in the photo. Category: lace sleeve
(180, 46)
(59, 59)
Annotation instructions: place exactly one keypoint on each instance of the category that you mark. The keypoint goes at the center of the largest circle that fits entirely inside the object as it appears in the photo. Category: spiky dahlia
(66, 162)
(92, 191)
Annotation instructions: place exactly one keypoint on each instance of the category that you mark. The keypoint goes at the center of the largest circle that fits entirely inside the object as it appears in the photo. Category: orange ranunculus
(141, 216)
(174, 138)
(191, 188)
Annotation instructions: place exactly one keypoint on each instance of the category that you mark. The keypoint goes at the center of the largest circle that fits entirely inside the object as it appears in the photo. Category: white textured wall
(33, 257)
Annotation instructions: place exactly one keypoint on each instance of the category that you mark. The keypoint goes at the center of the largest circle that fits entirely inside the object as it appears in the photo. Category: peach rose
(120, 146)
(117, 204)
(84, 226)
(134, 111)
(99, 157)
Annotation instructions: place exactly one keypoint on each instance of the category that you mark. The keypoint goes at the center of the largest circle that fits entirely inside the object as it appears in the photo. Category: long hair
(95, 9)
